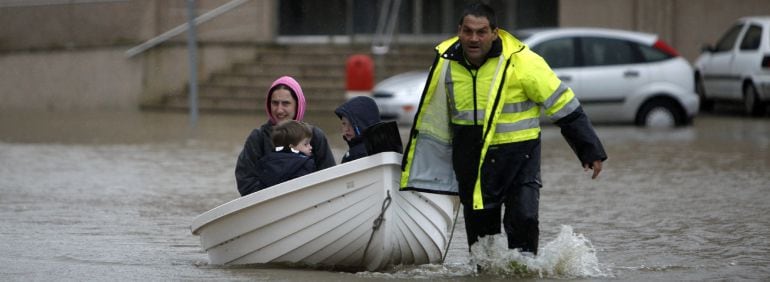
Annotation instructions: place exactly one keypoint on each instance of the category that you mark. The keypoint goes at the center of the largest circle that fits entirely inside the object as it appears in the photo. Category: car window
(751, 39)
(651, 54)
(728, 39)
(605, 51)
(521, 35)
(559, 53)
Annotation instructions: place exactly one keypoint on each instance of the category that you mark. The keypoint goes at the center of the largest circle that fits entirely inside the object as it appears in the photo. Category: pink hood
(294, 85)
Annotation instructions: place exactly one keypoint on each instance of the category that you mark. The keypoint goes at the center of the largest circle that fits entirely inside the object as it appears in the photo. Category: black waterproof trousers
(520, 219)
(510, 179)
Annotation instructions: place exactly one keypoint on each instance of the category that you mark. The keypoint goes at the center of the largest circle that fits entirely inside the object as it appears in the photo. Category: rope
(377, 222)
(451, 233)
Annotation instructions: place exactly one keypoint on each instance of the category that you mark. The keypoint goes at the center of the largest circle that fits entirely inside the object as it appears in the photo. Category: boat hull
(351, 215)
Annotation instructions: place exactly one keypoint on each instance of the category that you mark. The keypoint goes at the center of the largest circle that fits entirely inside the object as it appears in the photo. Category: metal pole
(192, 51)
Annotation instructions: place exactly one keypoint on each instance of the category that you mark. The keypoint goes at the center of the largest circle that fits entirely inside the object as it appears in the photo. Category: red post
(359, 75)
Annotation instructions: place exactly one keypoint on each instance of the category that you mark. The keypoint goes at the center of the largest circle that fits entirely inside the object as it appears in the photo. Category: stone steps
(320, 69)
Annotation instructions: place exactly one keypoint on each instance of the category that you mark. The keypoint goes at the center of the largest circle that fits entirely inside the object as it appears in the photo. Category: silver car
(618, 76)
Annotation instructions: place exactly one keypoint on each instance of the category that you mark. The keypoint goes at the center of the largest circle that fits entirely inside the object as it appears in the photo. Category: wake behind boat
(351, 215)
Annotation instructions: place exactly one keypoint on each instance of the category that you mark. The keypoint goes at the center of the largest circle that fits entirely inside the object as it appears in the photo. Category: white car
(738, 67)
(618, 76)
(398, 96)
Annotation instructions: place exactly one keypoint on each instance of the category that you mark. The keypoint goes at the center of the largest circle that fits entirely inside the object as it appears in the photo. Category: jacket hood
(294, 86)
(361, 111)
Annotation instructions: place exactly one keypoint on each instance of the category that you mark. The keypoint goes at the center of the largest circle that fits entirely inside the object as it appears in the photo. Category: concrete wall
(705, 23)
(228, 38)
(166, 69)
(253, 21)
(61, 57)
(69, 81)
(109, 23)
(57, 26)
(684, 24)
(52, 55)
(95, 79)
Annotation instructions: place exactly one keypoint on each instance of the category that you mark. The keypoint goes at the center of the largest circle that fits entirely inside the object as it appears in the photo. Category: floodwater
(103, 196)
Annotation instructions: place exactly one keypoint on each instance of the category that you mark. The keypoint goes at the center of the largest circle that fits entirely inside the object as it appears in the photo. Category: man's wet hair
(480, 10)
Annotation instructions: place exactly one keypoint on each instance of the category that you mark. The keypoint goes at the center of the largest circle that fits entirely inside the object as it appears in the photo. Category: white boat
(328, 218)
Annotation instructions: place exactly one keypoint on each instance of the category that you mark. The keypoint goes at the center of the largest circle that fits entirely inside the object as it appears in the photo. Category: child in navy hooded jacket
(356, 115)
(291, 157)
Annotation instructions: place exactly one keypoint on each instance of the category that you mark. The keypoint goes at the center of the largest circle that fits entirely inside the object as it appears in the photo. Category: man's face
(282, 105)
(476, 37)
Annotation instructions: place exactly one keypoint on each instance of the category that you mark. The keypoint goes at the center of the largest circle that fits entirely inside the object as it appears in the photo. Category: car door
(561, 56)
(745, 62)
(717, 69)
(611, 71)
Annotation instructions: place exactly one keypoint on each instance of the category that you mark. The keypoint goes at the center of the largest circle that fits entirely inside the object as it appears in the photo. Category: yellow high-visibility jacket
(505, 96)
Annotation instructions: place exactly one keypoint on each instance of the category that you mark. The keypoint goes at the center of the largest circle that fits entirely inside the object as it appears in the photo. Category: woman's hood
(294, 86)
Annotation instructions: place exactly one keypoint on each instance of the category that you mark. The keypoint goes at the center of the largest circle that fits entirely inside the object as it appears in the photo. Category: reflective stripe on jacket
(509, 92)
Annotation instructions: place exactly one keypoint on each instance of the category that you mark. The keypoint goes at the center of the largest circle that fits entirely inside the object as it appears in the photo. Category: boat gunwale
(291, 186)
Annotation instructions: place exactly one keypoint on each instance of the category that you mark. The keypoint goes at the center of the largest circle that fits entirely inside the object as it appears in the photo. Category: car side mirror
(706, 48)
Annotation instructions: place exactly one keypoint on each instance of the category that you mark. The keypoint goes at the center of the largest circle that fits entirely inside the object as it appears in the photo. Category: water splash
(569, 255)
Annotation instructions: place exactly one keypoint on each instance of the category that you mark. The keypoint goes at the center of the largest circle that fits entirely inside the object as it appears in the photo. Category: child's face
(304, 147)
(347, 129)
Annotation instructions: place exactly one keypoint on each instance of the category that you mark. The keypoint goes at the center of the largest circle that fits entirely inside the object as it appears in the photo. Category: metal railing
(31, 3)
(386, 25)
(184, 27)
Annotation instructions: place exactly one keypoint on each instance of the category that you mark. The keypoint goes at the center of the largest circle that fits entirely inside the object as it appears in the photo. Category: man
(285, 101)
(477, 133)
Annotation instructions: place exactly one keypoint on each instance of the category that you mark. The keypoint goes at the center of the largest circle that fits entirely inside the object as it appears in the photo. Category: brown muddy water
(110, 196)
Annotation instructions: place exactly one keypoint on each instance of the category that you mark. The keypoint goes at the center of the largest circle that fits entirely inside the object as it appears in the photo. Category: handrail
(183, 27)
(32, 3)
(386, 24)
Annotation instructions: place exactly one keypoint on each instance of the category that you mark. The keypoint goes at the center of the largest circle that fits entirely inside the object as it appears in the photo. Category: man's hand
(596, 166)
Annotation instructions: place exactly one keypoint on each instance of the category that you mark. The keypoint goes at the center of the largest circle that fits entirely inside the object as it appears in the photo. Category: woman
(285, 101)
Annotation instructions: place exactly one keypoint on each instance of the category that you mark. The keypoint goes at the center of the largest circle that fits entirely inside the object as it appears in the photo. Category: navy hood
(361, 111)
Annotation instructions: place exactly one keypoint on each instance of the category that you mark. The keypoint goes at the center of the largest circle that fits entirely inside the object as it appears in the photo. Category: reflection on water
(91, 196)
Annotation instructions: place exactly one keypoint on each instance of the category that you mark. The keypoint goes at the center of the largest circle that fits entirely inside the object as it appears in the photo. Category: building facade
(55, 48)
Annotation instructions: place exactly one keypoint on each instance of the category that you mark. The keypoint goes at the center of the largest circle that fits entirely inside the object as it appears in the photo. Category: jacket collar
(506, 44)
(455, 52)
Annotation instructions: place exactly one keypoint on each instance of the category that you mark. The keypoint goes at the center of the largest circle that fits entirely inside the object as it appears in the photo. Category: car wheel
(706, 105)
(751, 102)
(660, 114)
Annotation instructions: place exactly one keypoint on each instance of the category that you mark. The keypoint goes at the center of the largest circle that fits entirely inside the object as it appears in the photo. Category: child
(356, 115)
(292, 155)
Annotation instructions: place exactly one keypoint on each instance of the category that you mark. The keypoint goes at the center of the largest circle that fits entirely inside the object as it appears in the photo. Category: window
(605, 51)
(338, 17)
(728, 40)
(651, 54)
(752, 38)
(559, 53)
